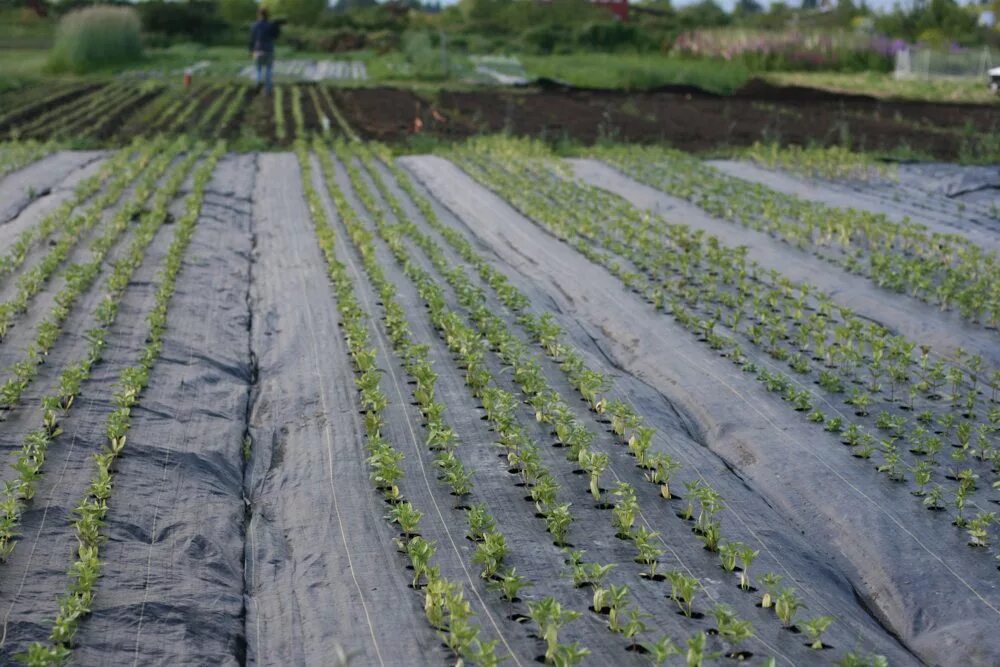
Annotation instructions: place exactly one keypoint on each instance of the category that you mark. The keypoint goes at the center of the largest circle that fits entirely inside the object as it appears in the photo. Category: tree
(238, 12)
(302, 12)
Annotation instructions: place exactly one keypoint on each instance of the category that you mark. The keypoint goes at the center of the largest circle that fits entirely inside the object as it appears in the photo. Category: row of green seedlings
(12, 259)
(192, 102)
(945, 269)
(236, 104)
(445, 605)
(491, 548)
(43, 96)
(297, 114)
(91, 511)
(852, 352)
(550, 408)
(79, 279)
(719, 342)
(208, 124)
(345, 127)
(828, 162)
(548, 614)
(73, 229)
(280, 131)
(628, 426)
(890, 357)
(98, 124)
(59, 114)
(69, 118)
(17, 154)
(17, 493)
(500, 407)
(687, 293)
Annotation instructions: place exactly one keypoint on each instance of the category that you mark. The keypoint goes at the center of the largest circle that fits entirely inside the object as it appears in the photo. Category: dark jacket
(262, 36)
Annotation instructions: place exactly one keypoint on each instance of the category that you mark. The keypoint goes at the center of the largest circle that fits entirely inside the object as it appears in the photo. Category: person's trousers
(265, 63)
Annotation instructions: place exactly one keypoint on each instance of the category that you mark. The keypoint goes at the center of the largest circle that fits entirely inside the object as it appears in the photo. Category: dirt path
(874, 534)
(901, 314)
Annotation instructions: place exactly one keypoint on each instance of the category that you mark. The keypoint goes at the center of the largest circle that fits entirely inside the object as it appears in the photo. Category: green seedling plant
(786, 605)
(660, 651)
(682, 591)
(550, 616)
(814, 628)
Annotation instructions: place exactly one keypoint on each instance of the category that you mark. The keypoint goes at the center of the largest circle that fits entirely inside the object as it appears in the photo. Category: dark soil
(35, 110)
(684, 117)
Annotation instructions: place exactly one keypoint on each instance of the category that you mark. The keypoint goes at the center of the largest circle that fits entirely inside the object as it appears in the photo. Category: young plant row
(827, 162)
(236, 104)
(944, 269)
(297, 115)
(342, 123)
(64, 124)
(491, 548)
(191, 105)
(80, 277)
(280, 131)
(95, 124)
(73, 229)
(26, 102)
(17, 493)
(92, 509)
(706, 285)
(208, 124)
(17, 154)
(57, 115)
(861, 352)
(40, 232)
(551, 409)
(445, 605)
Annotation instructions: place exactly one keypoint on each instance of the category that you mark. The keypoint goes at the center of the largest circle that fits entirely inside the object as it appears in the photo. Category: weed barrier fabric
(913, 571)
(322, 572)
(534, 555)
(19, 188)
(172, 586)
(918, 321)
(33, 579)
(831, 195)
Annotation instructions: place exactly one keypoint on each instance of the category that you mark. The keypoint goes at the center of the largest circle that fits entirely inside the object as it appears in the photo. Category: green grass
(884, 85)
(635, 72)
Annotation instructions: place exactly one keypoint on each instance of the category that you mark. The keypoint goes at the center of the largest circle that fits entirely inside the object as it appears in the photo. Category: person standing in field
(262, 36)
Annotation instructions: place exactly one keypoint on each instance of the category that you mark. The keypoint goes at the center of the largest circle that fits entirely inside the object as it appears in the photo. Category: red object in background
(187, 79)
(617, 7)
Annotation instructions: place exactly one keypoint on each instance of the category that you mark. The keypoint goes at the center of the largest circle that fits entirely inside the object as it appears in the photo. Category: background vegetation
(574, 41)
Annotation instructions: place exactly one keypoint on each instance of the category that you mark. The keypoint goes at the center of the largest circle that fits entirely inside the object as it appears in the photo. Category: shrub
(96, 37)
